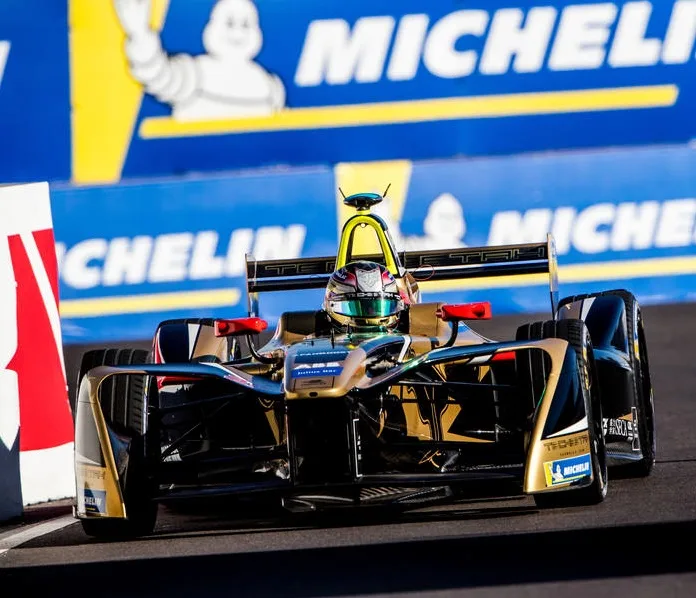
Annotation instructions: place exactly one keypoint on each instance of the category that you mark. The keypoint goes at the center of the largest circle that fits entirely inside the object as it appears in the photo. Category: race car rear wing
(435, 265)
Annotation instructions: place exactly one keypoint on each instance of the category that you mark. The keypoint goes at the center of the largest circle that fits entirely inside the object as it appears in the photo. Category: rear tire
(123, 402)
(577, 335)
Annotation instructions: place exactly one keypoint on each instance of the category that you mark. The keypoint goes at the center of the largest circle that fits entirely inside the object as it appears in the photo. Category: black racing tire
(123, 402)
(577, 335)
(642, 383)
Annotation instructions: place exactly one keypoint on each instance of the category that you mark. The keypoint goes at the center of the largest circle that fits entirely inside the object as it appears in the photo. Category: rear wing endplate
(439, 264)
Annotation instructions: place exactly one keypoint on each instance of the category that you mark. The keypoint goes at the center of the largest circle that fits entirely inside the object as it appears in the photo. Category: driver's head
(363, 295)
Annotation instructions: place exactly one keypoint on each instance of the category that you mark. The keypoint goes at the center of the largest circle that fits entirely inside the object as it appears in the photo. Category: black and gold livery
(320, 416)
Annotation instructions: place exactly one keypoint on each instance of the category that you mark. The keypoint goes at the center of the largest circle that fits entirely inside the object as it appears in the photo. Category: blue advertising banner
(34, 91)
(172, 249)
(162, 87)
(621, 218)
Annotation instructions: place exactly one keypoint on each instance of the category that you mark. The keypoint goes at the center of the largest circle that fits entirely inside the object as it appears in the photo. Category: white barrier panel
(33, 391)
(10, 488)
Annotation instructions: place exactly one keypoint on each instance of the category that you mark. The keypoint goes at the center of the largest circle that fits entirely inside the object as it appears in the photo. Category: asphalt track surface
(639, 542)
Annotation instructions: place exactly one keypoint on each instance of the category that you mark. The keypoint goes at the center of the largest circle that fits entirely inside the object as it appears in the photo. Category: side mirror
(239, 326)
(246, 327)
(480, 310)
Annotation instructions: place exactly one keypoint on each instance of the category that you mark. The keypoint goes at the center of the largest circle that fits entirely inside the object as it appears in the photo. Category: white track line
(15, 538)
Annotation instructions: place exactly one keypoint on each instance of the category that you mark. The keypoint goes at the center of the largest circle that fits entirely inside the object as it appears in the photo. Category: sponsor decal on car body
(94, 500)
(318, 369)
(623, 428)
(566, 446)
(563, 471)
(315, 357)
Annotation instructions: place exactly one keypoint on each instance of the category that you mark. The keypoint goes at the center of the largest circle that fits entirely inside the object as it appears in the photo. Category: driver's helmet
(363, 295)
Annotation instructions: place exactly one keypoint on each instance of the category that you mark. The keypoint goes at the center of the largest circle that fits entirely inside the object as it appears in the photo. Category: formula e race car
(376, 398)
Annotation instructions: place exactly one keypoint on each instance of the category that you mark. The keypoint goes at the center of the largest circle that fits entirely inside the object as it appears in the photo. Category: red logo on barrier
(45, 415)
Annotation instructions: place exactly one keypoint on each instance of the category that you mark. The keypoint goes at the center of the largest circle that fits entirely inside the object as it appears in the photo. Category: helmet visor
(378, 307)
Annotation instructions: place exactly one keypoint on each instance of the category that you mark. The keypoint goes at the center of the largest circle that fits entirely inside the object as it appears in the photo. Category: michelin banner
(165, 87)
(34, 91)
(177, 248)
(621, 218)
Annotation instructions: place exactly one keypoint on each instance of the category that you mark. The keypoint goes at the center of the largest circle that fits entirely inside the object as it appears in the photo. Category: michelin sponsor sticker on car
(95, 501)
(564, 471)
(213, 85)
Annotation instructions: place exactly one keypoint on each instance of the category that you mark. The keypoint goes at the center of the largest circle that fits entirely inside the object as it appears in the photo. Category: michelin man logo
(223, 83)
(444, 225)
(557, 475)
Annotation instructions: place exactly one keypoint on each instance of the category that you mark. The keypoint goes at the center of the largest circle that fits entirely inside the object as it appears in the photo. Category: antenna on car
(385, 191)
(341, 190)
